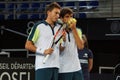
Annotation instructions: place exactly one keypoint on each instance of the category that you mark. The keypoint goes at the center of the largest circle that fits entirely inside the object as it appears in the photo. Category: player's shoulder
(40, 23)
(79, 29)
(90, 50)
(43, 22)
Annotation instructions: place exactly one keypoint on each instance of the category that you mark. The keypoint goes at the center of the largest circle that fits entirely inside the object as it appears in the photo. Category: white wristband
(40, 51)
(63, 44)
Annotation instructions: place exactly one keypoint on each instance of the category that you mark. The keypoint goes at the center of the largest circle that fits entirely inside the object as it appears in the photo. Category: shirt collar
(46, 23)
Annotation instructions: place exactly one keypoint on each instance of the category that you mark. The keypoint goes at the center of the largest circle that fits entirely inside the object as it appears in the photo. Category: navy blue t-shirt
(84, 55)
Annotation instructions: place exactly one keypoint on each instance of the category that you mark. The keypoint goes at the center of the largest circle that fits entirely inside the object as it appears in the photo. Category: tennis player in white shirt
(70, 68)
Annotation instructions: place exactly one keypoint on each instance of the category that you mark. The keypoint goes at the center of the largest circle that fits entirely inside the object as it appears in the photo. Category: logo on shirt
(85, 55)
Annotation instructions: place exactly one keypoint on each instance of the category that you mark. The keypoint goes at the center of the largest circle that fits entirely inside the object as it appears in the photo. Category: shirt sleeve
(90, 55)
(34, 34)
(79, 33)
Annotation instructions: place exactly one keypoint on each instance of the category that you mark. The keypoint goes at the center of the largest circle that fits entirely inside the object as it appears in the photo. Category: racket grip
(46, 57)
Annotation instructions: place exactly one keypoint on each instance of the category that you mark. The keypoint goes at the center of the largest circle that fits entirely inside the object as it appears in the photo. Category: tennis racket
(59, 34)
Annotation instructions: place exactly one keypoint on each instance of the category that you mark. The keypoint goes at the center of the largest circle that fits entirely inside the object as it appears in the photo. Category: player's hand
(48, 51)
(64, 37)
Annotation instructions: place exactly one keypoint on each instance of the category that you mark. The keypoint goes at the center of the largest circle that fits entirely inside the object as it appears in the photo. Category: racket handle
(46, 57)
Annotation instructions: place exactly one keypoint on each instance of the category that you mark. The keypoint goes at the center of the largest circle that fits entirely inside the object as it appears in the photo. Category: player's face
(54, 14)
(67, 17)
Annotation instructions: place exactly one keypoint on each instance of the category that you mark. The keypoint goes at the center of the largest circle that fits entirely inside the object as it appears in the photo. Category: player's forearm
(90, 64)
(78, 41)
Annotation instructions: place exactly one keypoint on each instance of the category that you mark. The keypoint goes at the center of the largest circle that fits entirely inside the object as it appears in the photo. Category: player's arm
(90, 64)
(78, 41)
(63, 43)
(90, 60)
(32, 38)
(29, 45)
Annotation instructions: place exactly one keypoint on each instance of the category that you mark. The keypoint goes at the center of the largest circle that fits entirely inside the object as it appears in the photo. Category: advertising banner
(17, 69)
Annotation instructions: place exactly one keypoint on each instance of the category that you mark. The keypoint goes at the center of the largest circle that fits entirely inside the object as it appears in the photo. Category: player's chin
(55, 19)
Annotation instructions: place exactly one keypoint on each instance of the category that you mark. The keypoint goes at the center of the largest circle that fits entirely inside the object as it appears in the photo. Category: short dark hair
(65, 11)
(51, 6)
